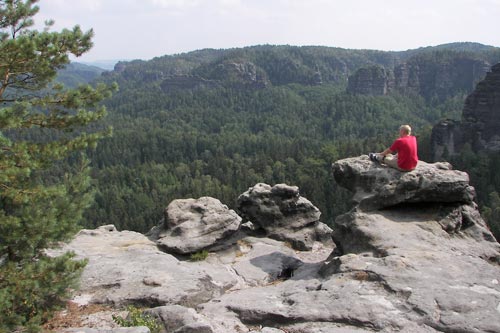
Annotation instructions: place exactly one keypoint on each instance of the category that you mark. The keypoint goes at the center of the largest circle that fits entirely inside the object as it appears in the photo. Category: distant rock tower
(480, 124)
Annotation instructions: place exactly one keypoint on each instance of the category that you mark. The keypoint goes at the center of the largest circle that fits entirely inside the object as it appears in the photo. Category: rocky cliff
(428, 77)
(413, 255)
(373, 80)
(480, 124)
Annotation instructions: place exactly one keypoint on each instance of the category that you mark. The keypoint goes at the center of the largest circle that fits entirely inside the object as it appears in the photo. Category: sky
(144, 29)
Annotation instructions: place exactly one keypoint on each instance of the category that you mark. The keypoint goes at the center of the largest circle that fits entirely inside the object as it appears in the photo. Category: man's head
(404, 130)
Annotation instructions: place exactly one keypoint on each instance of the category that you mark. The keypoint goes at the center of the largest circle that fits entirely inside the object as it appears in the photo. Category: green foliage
(481, 167)
(220, 138)
(491, 213)
(199, 256)
(136, 317)
(41, 199)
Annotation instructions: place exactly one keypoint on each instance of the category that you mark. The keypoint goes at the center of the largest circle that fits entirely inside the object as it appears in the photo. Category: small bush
(199, 256)
(137, 318)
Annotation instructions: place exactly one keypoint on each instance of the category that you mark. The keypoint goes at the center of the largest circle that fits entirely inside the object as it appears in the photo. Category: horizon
(133, 29)
(114, 61)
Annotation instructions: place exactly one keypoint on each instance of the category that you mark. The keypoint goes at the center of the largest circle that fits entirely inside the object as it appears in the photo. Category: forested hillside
(215, 122)
(75, 73)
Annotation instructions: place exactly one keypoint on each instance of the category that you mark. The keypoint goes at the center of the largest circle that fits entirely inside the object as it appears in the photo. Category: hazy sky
(144, 29)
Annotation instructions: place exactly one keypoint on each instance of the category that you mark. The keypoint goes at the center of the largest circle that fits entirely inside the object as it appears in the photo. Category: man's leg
(391, 160)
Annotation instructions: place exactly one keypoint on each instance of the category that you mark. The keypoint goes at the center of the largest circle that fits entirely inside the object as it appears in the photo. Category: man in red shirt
(406, 148)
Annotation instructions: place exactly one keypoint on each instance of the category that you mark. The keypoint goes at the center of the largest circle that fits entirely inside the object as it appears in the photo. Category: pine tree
(41, 122)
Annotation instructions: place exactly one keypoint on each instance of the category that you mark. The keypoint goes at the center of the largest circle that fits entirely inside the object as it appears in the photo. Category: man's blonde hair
(406, 129)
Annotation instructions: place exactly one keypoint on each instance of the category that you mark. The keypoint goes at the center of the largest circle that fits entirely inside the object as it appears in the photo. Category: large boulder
(191, 225)
(283, 214)
(377, 186)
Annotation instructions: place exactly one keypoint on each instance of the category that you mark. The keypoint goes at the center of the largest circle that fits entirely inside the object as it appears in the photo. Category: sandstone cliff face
(480, 124)
(413, 255)
(428, 78)
(373, 80)
(481, 114)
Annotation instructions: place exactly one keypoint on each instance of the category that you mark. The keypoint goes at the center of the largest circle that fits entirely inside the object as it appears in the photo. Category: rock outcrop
(413, 255)
(378, 187)
(481, 114)
(284, 215)
(480, 124)
(430, 78)
(373, 80)
(191, 225)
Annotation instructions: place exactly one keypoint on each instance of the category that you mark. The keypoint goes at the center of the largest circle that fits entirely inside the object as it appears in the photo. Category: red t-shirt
(407, 152)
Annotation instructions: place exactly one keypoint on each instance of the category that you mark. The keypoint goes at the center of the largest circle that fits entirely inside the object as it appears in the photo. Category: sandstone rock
(192, 225)
(413, 266)
(176, 318)
(448, 280)
(436, 78)
(406, 261)
(373, 80)
(127, 268)
(445, 139)
(138, 329)
(480, 122)
(481, 113)
(283, 214)
(377, 186)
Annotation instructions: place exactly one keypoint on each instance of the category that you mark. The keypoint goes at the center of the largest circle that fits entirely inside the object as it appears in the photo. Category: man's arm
(386, 152)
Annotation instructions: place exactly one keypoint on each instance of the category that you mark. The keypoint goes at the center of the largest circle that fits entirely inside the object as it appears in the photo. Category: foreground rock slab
(127, 268)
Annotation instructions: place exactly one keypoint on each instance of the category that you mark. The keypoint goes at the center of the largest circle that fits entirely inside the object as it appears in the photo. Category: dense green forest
(215, 122)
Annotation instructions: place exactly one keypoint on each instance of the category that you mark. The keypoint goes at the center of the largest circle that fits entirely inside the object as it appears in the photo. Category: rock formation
(480, 122)
(191, 225)
(377, 188)
(284, 215)
(373, 80)
(430, 78)
(413, 255)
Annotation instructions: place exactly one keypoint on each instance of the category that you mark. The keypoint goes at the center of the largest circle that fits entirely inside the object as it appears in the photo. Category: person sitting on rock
(406, 158)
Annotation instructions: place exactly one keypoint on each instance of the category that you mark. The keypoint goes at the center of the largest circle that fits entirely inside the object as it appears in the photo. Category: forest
(215, 122)
(84, 147)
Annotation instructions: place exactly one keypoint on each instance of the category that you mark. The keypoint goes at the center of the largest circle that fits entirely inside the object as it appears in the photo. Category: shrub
(199, 256)
(137, 317)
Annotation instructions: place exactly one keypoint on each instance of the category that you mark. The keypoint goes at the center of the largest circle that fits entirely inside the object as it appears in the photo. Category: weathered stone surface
(449, 281)
(426, 262)
(126, 267)
(138, 329)
(376, 186)
(191, 225)
(176, 318)
(283, 214)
